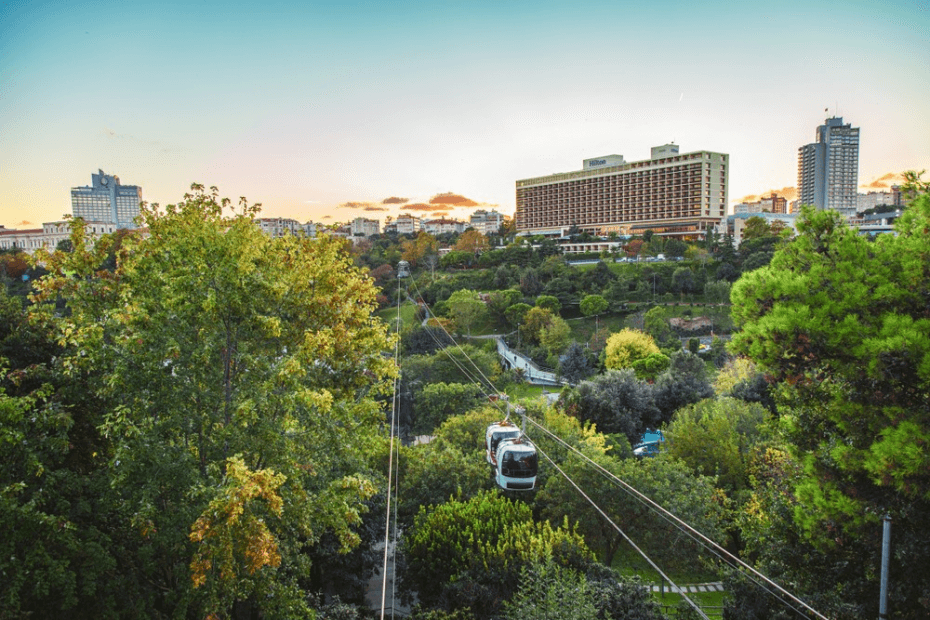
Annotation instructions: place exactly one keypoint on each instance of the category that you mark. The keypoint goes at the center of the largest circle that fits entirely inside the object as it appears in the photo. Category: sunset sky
(338, 109)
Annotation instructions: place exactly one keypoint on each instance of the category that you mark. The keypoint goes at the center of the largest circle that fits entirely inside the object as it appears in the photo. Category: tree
(516, 313)
(626, 346)
(683, 281)
(577, 364)
(467, 308)
(549, 302)
(552, 592)
(416, 250)
(473, 544)
(685, 382)
(655, 323)
(534, 321)
(717, 437)
(435, 402)
(530, 285)
(593, 305)
(471, 241)
(755, 228)
(555, 336)
(500, 301)
(229, 360)
(615, 401)
(840, 323)
(666, 481)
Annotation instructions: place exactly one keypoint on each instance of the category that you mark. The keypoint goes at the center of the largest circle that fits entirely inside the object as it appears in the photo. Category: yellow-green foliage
(627, 346)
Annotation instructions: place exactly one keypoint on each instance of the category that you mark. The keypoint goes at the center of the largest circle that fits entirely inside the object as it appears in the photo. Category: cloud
(788, 193)
(375, 208)
(25, 223)
(356, 205)
(452, 200)
(440, 214)
(884, 182)
(327, 217)
(421, 206)
(394, 200)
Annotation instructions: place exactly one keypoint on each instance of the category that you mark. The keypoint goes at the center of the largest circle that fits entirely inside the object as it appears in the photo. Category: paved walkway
(717, 586)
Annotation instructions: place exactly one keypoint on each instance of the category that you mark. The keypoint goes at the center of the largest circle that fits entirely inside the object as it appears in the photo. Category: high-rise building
(674, 194)
(828, 169)
(106, 200)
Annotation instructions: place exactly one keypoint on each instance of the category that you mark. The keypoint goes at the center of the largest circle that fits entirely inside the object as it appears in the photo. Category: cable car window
(520, 464)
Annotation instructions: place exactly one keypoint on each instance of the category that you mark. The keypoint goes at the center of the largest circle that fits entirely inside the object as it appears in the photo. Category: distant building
(279, 226)
(864, 202)
(768, 204)
(486, 222)
(828, 169)
(734, 224)
(107, 200)
(672, 194)
(364, 227)
(48, 237)
(442, 225)
(407, 224)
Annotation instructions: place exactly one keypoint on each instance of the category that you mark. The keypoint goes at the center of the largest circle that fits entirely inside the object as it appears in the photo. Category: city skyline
(328, 112)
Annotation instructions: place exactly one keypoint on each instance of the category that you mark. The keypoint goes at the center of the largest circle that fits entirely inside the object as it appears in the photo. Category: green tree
(435, 402)
(593, 305)
(655, 323)
(467, 308)
(549, 302)
(577, 365)
(416, 250)
(217, 342)
(840, 323)
(717, 437)
(480, 540)
(555, 336)
(534, 321)
(615, 401)
(626, 346)
(516, 313)
(549, 591)
(666, 481)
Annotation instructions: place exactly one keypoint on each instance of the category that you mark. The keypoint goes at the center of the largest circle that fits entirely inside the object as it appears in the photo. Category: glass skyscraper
(106, 200)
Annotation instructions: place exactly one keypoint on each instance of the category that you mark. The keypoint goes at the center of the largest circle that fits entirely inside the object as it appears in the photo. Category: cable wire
(709, 544)
(655, 566)
(387, 520)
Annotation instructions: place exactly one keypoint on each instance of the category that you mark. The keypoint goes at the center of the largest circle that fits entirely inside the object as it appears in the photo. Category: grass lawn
(408, 313)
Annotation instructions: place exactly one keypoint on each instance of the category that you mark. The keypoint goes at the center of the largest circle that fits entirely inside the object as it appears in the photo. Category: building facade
(364, 227)
(486, 222)
(279, 226)
(828, 169)
(672, 194)
(768, 204)
(107, 200)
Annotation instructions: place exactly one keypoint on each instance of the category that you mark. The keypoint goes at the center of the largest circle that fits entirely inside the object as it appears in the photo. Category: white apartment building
(442, 225)
(407, 224)
(486, 222)
(48, 237)
(364, 227)
(279, 226)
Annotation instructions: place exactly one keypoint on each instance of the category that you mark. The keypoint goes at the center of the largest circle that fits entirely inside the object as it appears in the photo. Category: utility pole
(886, 555)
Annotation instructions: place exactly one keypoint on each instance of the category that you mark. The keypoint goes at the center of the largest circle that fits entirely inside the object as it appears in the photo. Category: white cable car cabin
(496, 433)
(517, 465)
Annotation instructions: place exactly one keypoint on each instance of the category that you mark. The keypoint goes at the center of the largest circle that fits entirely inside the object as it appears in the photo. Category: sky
(331, 110)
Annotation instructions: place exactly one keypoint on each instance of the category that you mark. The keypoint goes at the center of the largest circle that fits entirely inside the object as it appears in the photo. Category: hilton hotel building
(672, 194)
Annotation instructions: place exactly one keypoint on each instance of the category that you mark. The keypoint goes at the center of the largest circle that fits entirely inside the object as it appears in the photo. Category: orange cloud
(24, 223)
(788, 193)
(374, 208)
(356, 205)
(327, 217)
(452, 200)
(420, 206)
(394, 200)
(884, 182)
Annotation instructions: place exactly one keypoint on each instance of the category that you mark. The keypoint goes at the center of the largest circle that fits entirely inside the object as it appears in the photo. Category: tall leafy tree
(240, 372)
(841, 323)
